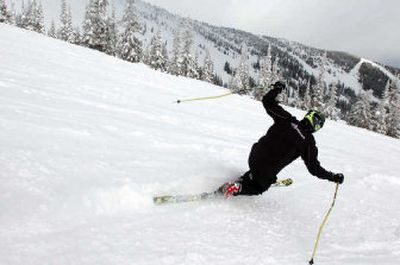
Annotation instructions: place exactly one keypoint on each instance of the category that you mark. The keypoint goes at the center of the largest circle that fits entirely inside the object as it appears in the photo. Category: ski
(169, 199)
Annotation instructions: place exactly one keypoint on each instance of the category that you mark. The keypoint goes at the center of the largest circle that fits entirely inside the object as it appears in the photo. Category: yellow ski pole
(204, 98)
(323, 224)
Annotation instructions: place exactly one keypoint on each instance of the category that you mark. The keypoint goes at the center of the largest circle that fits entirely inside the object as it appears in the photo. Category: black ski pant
(258, 179)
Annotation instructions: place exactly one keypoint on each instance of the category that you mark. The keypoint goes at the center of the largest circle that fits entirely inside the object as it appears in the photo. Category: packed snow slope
(86, 140)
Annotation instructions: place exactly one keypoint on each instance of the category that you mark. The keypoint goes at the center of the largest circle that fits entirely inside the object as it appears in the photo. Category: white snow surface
(86, 140)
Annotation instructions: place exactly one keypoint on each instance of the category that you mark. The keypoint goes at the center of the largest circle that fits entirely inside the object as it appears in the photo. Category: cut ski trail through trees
(87, 140)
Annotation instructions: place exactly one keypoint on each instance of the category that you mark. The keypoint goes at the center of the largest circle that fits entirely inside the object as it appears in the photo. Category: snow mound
(87, 139)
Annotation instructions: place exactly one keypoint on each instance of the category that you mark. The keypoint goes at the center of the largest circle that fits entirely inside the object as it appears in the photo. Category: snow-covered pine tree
(296, 100)
(12, 13)
(166, 56)
(240, 81)
(317, 96)
(360, 113)
(283, 97)
(112, 36)
(77, 36)
(392, 98)
(197, 66)
(31, 18)
(330, 110)
(265, 76)
(208, 68)
(156, 58)
(146, 55)
(52, 31)
(306, 105)
(96, 25)
(4, 13)
(65, 31)
(39, 23)
(176, 60)
(130, 47)
(276, 72)
(318, 92)
(188, 66)
(87, 28)
(378, 118)
(19, 17)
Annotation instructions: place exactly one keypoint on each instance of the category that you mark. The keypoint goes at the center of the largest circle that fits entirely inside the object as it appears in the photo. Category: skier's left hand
(279, 86)
(337, 178)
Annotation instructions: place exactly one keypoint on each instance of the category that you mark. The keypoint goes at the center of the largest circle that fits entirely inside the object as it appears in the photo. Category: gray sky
(367, 28)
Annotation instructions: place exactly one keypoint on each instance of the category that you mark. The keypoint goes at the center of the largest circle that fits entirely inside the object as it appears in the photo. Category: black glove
(337, 178)
(279, 86)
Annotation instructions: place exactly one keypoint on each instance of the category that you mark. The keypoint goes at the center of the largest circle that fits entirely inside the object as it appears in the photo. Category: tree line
(101, 31)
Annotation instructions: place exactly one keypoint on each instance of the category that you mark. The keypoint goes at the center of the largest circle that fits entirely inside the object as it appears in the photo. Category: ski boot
(230, 189)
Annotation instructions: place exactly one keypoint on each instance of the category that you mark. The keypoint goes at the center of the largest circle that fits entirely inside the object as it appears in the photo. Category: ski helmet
(316, 119)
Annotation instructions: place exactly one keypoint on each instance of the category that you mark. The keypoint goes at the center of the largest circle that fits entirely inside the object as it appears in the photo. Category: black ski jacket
(286, 140)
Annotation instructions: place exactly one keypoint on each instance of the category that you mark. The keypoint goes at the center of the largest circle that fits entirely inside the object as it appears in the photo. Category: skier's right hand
(337, 178)
(279, 86)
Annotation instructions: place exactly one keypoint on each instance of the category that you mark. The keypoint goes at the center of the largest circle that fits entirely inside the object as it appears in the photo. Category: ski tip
(283, 182)
(160, 200)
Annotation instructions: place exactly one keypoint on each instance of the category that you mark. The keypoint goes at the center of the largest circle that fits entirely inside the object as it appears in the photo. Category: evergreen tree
(208, 68)
(392, 98)
(227, 68)
(20, 19)
(31, 18)
(296, 100)
(166, 56)
(39, 22)
(188, 66)
(65, 32)
(77, 38)
(360, 114)
(96, 25)
(307, 96)
(156, 58)
(52, 31)
(4, 13)
(317, 96)
(284, 96)
(276, 73)
(240, 81)
(28, 16)
(112, 36)
(176, 60)
(130, 47)
(198, 67)
(12, 13)
(330, 110)
(265, 76)
(378, 118)
(146, 55)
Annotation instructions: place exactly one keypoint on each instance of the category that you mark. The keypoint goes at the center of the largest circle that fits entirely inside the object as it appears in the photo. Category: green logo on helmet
(316, 119)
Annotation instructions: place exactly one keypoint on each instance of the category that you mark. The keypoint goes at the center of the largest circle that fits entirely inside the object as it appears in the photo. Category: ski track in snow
(86, 141)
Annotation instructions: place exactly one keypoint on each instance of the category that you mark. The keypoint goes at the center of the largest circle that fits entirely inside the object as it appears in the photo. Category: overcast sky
(367, 28)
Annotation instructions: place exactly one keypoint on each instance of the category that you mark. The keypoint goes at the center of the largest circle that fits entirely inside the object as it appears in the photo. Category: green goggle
(316, 119)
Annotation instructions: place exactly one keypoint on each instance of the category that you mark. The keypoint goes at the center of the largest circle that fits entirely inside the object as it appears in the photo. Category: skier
(286, 140)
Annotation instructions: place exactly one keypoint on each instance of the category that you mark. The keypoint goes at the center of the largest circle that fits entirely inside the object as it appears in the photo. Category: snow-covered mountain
(87, 139)
(298, 63)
